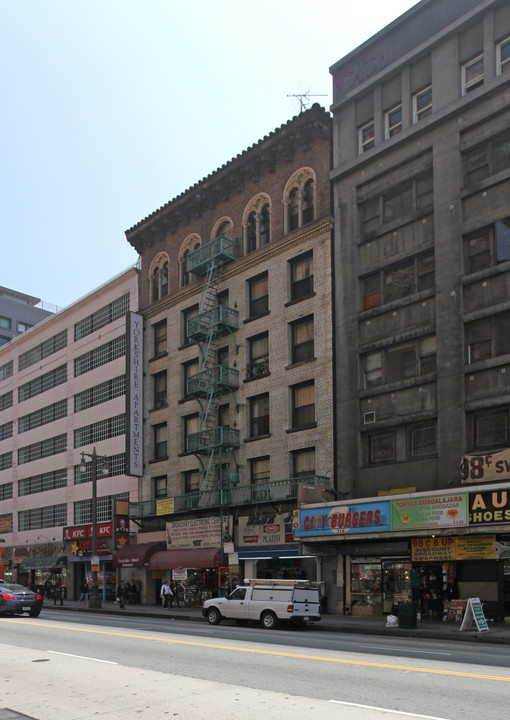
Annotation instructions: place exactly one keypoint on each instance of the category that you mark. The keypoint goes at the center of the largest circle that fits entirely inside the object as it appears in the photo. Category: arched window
(155, 285)
(225, 229)
(264, 231)
(307, 212)
(164, 280)
(185, 275)
(251, 233)
(293, 209)
(191, 243)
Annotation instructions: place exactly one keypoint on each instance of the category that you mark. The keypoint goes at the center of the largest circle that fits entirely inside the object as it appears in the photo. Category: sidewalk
(498, 633)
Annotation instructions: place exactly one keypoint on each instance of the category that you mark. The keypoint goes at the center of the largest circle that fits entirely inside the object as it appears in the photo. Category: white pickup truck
(267, 601)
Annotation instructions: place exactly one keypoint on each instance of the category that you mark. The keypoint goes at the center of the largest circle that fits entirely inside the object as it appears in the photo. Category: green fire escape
(213, 445)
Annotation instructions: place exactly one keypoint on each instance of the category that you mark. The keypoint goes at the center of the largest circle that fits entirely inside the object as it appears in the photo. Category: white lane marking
(82, 657)
(387, 710)
(395, 649)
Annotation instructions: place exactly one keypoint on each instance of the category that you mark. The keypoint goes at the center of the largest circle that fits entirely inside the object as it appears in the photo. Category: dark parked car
(17, 599)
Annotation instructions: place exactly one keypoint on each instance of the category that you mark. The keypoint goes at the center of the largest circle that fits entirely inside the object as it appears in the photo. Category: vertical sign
(134, 399)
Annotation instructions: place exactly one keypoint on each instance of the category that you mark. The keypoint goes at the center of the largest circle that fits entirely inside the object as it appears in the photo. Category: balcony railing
(205, 441)
(221, 250)
(278, 490)
(218, 321)
(218, 379)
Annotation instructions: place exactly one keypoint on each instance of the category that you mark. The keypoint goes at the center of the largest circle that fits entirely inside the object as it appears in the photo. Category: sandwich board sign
(474, 614)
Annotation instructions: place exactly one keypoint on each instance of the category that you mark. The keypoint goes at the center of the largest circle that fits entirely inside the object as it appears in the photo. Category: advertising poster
(265, 530)
(439, 511)
(487, 508)
(343, 519)
(197, 533)
(486, 468)
(439, 549)
(165, 507)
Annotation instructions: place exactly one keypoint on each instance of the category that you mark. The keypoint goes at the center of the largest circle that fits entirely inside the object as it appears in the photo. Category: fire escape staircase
(213, 445)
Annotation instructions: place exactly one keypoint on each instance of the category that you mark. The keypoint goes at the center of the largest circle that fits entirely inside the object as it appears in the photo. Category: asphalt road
(82, 667)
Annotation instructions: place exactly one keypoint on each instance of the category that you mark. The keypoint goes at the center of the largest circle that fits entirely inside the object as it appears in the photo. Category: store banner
(197, 533)
(440, 549)
(488, 508)
(267, 529)
(493, 467)
(437, 511)
(6, 524)
(345, 519)
(165, 507)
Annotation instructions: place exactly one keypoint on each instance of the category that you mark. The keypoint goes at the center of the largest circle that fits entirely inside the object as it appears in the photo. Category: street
(71, 666)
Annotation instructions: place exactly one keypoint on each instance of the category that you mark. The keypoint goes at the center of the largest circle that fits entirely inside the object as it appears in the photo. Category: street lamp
(94, 597)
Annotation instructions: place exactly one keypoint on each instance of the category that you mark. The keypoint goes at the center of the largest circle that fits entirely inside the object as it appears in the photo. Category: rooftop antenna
(304, 99)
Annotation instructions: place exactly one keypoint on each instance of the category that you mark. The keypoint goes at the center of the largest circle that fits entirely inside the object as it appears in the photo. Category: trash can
(407, 614)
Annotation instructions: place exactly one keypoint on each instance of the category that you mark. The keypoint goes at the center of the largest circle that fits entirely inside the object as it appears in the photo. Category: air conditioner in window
(368, 417)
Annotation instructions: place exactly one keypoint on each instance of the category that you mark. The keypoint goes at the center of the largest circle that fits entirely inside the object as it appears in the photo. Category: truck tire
(213, 616)
(269, 620)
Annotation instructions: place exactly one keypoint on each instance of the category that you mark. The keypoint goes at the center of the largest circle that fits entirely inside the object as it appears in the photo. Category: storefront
(195, 575)
(132, 565)
(432, 549)
(37, 571)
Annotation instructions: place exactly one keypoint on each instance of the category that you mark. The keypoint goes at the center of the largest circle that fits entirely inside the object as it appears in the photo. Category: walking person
(166, 595)
(121, 594)
(175, 595)
(84, 591)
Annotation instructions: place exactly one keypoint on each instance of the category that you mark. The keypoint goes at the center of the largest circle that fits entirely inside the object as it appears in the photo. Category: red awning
(173, 559)
(136, 555)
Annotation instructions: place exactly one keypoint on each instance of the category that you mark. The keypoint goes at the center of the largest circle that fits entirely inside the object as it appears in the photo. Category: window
(307, 208)
(46, 448)
(107, 314)
(303, 405)
(260, 475)
(251, 233)
(488, 159)
(6, 461)
(366, 137)
(293, 210)
(159, 336)
(159, 484)
(472, 74)
(301, 277)
(101, 430)
(43, 383)
(258, 356)
(4, 340)
(397, 205)
(6, 430)
(191, 425)
(490, 429)
(6, 370)
(503, 56)
(99, 356)
(223, 356)
(191, 481)
(159, 434)
(6, 492)
(45, 415)
(400, 362)
(265, 226)
(422, 440)
(381, 446)
(189, 369)
(105, 505)
(116, 387)
(302, 340)
(224, 416)
(488, 246)
(258, 296)
(399, 281)
(155, 285)
(422, 104)
(24, 326)
(158, 277)
(46, 517)
(159, 387)
(393, 121)
(42, 483)
(6, 400)
(45, 349)
(489, 337)
(224, 229)
(259, 416)
(303, 463)
(5, 322)
(187, 328)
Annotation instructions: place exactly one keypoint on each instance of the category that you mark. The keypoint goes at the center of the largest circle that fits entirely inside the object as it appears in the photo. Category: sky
(111, 108)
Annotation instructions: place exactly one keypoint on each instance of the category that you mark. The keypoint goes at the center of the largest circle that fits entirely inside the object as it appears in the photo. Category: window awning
(136, 555)
(43, 563)
(173, 559)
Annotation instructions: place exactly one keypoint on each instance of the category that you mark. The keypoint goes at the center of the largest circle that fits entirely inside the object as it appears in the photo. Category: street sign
(228, 548)
(474, 614)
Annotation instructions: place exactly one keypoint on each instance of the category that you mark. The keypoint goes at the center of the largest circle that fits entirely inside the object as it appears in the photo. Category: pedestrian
(166, 595)
(121, 595)
(175, 595)
(84, 591)
(47, 588)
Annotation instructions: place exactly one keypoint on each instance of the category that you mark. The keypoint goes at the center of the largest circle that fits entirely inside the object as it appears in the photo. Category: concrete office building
(19, 312)
(421, 194)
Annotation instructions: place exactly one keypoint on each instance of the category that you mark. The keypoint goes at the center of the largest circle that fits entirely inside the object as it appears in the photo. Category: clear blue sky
(110, 108)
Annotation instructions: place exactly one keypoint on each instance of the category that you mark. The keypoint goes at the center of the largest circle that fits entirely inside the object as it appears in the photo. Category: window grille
(100, 393)
(6, 430)
(102, 430)
(46, 415)
(6, 400)
(43, 383)
(42, 483)
(47, 517)
(100, 356)
(6, 370)
(6, 491)
(46, 448)
(6, 461)
(106, 315)
(45, 349)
